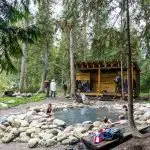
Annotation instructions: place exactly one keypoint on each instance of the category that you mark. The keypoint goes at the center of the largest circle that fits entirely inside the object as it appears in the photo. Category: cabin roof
(103, 65)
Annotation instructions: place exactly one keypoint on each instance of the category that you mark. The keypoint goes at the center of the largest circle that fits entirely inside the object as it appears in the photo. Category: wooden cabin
(100, 76)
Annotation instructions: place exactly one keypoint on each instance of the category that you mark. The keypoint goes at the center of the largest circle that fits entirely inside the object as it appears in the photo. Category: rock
(33, 142)
(24, 123)
(72, 138)
(68, 129)
(42, 120)
(31, 130)
(96, 123)
(22, 134)
(30, 113)
(3, 105)
(80, 130)
(21, 117)
(139, 112)
(142, 118)
(54, 131)
(87, 122)
(34, 123)
(11, 101)
(87, 126)
(14, 131)
(45, 127)
(145, 109)
(50, 142)
(45, 135)
(65, 142)
(147, 115)
(61, 136)
(1, 134)
(34, 135)
(2, 127)
(24, 139)
(37, 109)
(59, 122)
(8, 137)
(22, 129)
(148, 121)
(52, 126)
(11, 118)
(16, 123)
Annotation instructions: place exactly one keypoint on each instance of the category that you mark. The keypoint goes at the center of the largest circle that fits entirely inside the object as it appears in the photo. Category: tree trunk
(45, 66)
(23, 67)
(71, 53)
(130, 90)
(122, 78)
(84, 29)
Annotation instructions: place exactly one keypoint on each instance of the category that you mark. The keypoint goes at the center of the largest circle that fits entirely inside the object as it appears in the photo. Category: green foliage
(19, 101)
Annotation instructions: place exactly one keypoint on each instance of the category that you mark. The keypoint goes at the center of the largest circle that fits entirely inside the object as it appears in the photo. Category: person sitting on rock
(106, 120)
(125, 113)
(49, 110)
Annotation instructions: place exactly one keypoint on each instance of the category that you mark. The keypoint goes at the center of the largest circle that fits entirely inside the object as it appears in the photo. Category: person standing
(65, 89)
(53, 88)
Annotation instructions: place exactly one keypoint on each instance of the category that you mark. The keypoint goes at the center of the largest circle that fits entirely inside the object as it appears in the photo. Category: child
(49, 110)
(106, 120)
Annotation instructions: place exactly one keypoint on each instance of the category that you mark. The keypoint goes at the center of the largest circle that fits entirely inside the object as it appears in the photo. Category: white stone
(87, 122)
(11, 101)
(3, 105)
(33, 142)
(148, 121)
(1, 134)
(59, 122)
(14, 131)
(31, 130)
(50, 142)
(96, 123)
(68, 129)
(22, 129)
(8, 137)
(147, 115)
(80, 130)
(61, 136)
(24, 123)
(65, 142)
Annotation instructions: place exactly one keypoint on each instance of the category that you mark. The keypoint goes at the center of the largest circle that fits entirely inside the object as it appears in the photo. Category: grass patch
(23, 100)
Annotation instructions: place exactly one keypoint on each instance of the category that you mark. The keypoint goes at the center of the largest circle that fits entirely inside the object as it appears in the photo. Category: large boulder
(31, 130)
(59, 122)
(147, 115)
(96, 123)
(68, 129)
(33, 142)
(16, 123)
(148, 121)
(50, 142)
(11, 101)
(8, 137)
(1, 134)
(65, 142)
(24, 123)
(3, 105)
(80, 130)
(61, 136)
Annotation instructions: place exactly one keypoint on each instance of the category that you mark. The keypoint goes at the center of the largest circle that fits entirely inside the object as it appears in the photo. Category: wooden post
(99, 79)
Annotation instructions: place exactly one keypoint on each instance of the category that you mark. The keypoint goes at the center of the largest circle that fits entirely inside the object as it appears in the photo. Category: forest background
(62, 31)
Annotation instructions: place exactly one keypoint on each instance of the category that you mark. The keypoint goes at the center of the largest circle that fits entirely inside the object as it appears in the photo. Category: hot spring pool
(79, 115)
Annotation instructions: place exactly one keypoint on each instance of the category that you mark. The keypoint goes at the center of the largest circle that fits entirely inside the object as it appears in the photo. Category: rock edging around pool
(33, 126)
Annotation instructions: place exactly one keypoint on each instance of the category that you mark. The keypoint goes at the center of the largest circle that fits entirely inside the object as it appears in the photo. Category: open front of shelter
(97, 78)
